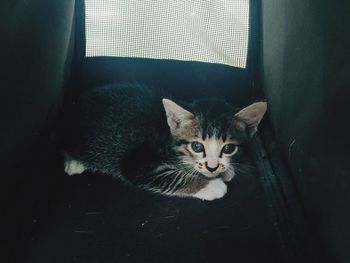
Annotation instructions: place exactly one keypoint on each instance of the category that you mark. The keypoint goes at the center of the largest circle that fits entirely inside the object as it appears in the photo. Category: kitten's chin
(210, 175)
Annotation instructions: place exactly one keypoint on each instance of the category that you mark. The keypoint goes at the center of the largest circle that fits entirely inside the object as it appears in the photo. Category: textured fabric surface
(306, 65)
(213, 31)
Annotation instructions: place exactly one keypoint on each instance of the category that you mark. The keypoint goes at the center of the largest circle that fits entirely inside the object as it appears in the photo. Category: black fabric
(94, 218)
(33, 67)
(180, 79)
(305, 74)
(36, 52)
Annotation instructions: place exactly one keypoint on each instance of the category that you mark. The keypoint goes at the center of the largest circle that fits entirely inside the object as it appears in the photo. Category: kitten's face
(208, 139)
(211, 156)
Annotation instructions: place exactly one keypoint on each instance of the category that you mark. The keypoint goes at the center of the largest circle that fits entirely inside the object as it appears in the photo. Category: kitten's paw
(215, 189)
(73, 167)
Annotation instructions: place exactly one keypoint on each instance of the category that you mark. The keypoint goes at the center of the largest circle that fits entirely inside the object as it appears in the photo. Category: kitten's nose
(210, 169)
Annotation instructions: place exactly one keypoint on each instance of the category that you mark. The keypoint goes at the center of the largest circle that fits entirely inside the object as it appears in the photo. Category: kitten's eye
(197, 147)
(229, 148)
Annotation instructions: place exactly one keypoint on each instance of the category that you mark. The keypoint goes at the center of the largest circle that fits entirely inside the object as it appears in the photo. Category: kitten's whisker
(242, 172)
(243, 164)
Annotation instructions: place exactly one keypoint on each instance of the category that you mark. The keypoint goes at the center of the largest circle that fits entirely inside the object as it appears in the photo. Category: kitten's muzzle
(211, 169)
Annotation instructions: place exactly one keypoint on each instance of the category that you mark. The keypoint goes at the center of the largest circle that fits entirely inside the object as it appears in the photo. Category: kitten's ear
(249, 118)
(177, 116)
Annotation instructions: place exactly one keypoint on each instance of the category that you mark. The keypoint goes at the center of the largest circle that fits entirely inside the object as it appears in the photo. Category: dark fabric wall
(306, 77)
(36, 37)
(35, 44)
(179, 79)
(36, 48)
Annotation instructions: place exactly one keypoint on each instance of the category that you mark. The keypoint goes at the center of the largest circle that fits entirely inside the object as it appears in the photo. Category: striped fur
(128, 132)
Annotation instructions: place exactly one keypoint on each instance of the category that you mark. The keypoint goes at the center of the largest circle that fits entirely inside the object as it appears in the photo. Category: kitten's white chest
(215, 189)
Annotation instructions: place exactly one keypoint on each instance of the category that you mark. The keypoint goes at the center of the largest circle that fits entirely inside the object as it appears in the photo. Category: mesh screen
(214, 31)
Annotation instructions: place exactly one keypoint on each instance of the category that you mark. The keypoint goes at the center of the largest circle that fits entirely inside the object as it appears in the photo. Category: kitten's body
(122, 130)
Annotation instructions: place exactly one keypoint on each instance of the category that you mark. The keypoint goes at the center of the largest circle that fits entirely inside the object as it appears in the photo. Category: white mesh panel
(214, 31)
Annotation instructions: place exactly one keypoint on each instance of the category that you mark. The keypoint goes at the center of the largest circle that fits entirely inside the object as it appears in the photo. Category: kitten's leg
(71, 166)
(215, 189)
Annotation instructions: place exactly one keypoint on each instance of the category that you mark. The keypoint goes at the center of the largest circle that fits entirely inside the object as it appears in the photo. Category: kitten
(128, 132)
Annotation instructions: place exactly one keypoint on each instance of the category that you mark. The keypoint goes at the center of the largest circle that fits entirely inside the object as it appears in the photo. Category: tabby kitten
(128, 132)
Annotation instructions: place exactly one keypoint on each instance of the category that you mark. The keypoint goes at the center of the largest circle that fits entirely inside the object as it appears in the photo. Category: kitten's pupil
(197, 147)
(229, 148)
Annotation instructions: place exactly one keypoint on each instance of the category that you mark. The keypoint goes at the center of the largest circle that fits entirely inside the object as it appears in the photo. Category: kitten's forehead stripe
(219, 128)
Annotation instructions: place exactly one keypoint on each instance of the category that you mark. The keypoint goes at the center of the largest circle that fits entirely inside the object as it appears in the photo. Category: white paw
(215, 189)
(73, 167)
